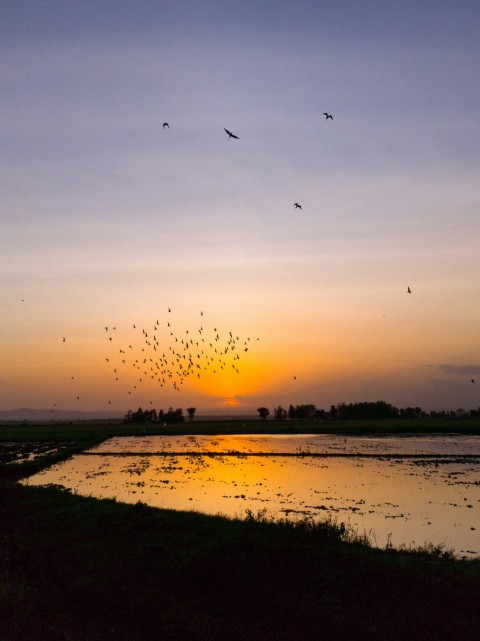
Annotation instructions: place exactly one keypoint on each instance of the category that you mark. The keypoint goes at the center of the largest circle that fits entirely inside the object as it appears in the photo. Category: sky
(108, 219)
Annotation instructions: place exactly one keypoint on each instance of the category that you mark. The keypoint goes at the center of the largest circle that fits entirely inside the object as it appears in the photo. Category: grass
(84, 431)
(81, 569)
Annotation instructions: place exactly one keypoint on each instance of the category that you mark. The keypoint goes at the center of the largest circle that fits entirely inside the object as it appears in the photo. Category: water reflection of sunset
(409, 489)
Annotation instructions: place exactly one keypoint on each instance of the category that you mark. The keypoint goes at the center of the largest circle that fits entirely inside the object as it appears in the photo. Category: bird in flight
(327, 116)
(409, 291)
(230, 135)
(297, 206)
(472, 380)
(165, 124)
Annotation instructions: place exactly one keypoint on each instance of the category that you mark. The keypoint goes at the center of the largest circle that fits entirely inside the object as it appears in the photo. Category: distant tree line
(340, 412)
(152, 416)
(358, 411)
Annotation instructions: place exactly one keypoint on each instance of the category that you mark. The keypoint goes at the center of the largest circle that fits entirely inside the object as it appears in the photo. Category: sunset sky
(108, 219)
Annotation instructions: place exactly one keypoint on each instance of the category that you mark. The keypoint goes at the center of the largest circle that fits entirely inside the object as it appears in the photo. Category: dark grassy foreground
(78, 569)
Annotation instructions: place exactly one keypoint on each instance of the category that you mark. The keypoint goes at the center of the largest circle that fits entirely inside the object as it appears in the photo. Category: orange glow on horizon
(322, 359)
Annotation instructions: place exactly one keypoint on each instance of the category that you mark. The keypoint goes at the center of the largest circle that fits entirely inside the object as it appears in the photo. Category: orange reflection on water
(408, 490)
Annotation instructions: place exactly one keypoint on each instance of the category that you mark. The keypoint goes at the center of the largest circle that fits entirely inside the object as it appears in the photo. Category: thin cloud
(229, 401)
(460, 370)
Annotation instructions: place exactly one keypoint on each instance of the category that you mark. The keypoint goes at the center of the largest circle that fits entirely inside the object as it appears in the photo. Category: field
(81, 569)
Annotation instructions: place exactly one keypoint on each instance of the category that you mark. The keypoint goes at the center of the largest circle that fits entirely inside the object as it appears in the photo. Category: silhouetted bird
(409, 291)
(327, 116)
(165, 124)
(230, 135)
(297, 206)
(472, 380)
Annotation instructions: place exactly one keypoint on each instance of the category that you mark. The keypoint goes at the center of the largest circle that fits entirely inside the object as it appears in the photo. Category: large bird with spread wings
(230, 135)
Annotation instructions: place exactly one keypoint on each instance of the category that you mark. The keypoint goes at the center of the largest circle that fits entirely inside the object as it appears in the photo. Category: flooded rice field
(21, 452)
(398, 490)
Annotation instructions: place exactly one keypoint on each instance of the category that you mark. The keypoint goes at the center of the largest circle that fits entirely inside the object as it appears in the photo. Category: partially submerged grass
(81, 569)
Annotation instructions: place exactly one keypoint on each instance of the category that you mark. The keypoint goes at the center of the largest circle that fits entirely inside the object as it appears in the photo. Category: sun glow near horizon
(110, 220)
(311, 366)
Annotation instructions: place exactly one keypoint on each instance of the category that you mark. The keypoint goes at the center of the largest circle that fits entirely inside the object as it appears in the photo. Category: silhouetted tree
(263, 411)
(140, 416)
(191, 413)
(280, 413)
(302, 412)
(174, 416)
(151, 416)
(366, 410)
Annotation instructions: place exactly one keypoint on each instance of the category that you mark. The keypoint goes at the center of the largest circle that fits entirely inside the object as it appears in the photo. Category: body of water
(400, 490)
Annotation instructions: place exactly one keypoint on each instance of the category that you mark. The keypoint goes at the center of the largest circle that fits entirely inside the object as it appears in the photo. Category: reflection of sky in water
(411, 489)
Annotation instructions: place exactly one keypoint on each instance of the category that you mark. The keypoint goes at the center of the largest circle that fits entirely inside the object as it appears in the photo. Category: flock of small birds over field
(169, 356)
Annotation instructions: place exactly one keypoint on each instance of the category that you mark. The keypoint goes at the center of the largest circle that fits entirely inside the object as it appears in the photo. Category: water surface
(399, 490)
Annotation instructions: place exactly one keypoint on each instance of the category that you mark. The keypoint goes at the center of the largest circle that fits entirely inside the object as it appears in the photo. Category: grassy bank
(85, 431)
(81, 569)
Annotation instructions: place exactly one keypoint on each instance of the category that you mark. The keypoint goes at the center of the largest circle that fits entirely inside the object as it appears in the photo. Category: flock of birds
(169, 356)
